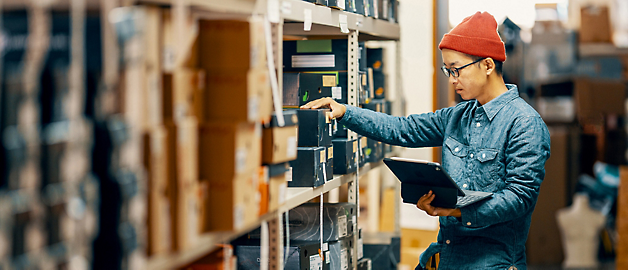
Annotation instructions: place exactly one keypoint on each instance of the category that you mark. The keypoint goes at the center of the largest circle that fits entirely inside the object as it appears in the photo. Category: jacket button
(457, 149)
(468, 223)
(448, 242)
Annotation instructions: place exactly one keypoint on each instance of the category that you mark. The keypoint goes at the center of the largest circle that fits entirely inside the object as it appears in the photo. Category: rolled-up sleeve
(416, 130)
(527, 150)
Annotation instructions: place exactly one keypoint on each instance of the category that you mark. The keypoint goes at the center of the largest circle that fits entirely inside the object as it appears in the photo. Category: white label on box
(253, 107)
(292, 147)
(283, 189)
(344, 259)
(325, 173)
(314, 61)
(168, 59)
(315, 262)
(342, 226)
(327, 257)
(240, 160)
(289, 175)
(325, 247)
(336, 92)
(286, 7)
(344, 26)
(360, 248)
(238, 216)
(341, 4)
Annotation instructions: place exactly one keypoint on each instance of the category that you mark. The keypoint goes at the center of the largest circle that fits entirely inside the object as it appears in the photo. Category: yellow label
(379, 91)
(355, 146)
(377, 64)
(322, 156)
(330, 152)
(329, 80)
(364, 141)
(364, 79)
(295, 119)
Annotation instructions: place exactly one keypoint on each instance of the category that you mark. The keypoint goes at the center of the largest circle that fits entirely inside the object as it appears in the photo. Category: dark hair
(498, 64)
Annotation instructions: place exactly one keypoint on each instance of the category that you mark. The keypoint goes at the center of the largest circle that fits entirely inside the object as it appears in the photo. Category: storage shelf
(600, 49)
(208, 242)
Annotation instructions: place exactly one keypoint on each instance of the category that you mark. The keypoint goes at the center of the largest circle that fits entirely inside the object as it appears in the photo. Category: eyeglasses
(456, 71)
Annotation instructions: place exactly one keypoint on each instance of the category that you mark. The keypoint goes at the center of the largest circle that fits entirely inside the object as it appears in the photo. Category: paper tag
(329, 80)
(286, 7)
(354, 220)
(363, 79)
(344, 259)
(344, 26)
(315, 262)
(307, 19)
(289, 175)
(283, 188)
(253, 107)
(341, 4)
(330, 152)
(364, 140)
(273, 11)
(336, 92)
(342, 226)
(355, 146)
(327, 257)
(238, 216)
(292, 147)
(240, 160)
(325, 247)
(360, 248)
(322, 157)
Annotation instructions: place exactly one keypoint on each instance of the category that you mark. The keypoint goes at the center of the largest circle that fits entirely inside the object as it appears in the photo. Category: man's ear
(490, 65)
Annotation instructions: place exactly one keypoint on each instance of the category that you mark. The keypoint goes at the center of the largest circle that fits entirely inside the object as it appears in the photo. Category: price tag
(307, 19)
(344, 27)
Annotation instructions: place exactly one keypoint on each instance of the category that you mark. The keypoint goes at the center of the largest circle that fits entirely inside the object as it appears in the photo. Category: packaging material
(237, 95)
(279, 144)
(156, 163)
(595, 25)
(383, 249)
(221, 259)
(232, 45)
(365, 264)
(344, 153)
(228, 149)
(309, 169)
(315, 55)
(230, 204)
(544, 243)
(314, 128)
(304, 255)
(278, 174)
(595, 97)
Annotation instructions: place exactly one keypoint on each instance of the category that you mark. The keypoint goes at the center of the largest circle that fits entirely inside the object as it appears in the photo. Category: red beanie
(476, 35)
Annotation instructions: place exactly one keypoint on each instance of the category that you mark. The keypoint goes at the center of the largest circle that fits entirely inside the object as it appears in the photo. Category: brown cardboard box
(228, 149)
(152, 66)
(232, 45)
(188, 88)
(221, 259)
(597, 97)
(595, 25)
(186, 37)
(156, 163)
(230, 204)
(544, 245)
(279, 144)
(186, 217)
(277, 189)
(238, 95)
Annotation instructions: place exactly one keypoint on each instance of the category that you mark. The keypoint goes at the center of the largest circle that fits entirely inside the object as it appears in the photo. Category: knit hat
(476, 35)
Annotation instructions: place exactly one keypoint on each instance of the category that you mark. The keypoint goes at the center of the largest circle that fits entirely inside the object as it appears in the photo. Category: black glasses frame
(456, 71)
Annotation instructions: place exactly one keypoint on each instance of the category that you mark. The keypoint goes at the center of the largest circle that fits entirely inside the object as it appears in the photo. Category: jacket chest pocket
(454, 154)
(489, 169)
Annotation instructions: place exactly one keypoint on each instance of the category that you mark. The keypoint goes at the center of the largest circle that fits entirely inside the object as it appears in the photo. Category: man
(492, 142)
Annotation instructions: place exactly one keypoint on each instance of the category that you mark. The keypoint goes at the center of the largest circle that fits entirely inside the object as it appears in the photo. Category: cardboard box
(338, 221)
(309, 170)
(230, 204)
(180, 43)
(278, 185)
(544, 245)
(221, 259)
(315, 55)
(152, 66)
(622, 219)
(237, 95)
(186, 213)
(387, 211)
(228, 150)
(156, 163)
(595, 25)
(279, 144)
(595, 97)
(314, 128)
(188, 88)
(232, 45)
(344, 153)
(303, 87)
(339, 254)
(303, 255)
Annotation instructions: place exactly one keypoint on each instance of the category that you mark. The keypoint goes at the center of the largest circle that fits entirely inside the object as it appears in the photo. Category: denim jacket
(500, 147)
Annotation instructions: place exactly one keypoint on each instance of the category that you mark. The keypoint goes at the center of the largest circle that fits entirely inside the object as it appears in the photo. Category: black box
(340, 131)
(384, 251)
(370, 8)
(337, 4)
(344, 153)
(313, 86)
(291, 90)
(375, 59)
(315, 55)
(378, 105)
(329, 163)
(383, 9)
(365, 264)
(374, 151)
(308, 170)
(300, 256)
(379, 84)
(338, 221)
(362, 60)
(314, 128)
(363, 145)
(360, 7)
(340, 254)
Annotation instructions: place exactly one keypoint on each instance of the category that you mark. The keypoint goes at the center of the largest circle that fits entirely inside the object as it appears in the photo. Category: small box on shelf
(279, 143)
(309, 169)
(314, 128)
(345, 151)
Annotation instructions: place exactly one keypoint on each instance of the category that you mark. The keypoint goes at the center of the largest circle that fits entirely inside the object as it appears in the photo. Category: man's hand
(425, 204)
(337, 110)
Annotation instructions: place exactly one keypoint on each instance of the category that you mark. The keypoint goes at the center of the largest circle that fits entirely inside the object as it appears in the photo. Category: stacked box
(345, 155)
(314, 128)
(309, 169)
(303, 255)
(279, 143)
(338, 221)
(278, 175)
